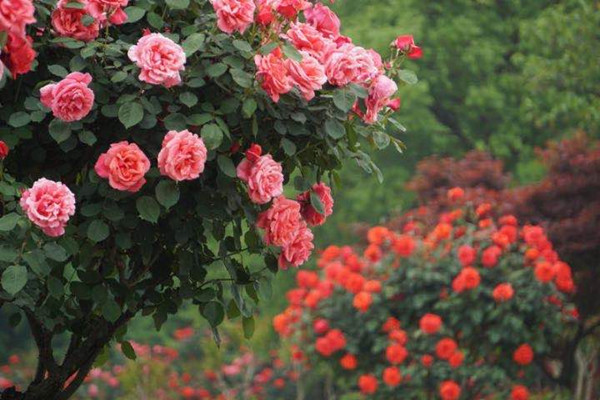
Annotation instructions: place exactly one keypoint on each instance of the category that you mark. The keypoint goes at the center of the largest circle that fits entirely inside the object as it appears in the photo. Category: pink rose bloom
(272, 72)
(381, 90)
(125, 165)
(263, 176)
(108, 10)
(352, 64)
(93, 390)
(15, 14)
(266, 11)
(67, 22)
(291, 8)
(159, 58)
(308, 75)
(234, 15)
(281, 221)
(298, 251)
(406, 44)
(49, 205)
(182, 156)
(324, 20)
(312, 216)
(70, 99)
(305, 37)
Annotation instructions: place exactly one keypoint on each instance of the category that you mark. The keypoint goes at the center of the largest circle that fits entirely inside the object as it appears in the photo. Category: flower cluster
(423, 307)
(17, 52)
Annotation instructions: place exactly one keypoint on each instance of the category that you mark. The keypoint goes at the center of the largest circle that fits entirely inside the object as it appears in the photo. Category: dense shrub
(146, 155)
(469, 307)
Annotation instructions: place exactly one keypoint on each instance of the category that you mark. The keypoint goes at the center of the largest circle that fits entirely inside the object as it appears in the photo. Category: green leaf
(14, 278)
(87, 20)
(291, 52)
(9, 221)
(175, 122)
(242, 45)
(408, 76)
(212, 136)
(248, 325)
(226, 165)
(155, 20)
(242, 78)
(111, 310)
(128, 350)
(55, 287)
(98, 231)
(134, 14)
(130, 114)
(119, 76)
(167, 193)
(58, 70)
(335, 129)
(188, 98)
(316, 202)
(178, 4)
(148, 209)
(37, 262)
(55, 252)
(344, 99)
(215, 70)
(288, 147)
(213, 312)
(19, 119)
(87, 137)
(269, 47)
(59, 130)
(8, 254)
(193, 43)
(249, 107)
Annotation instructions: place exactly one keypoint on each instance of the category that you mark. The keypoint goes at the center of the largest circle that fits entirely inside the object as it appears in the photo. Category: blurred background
(508, 101)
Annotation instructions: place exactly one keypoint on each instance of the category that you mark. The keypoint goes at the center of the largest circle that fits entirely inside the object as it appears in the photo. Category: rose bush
(146, 155)
(468, 308)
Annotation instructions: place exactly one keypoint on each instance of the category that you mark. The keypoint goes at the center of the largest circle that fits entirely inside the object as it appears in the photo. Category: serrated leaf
(408, 76)
(9, 221)
(128, 350)
(111, 310)
(291, 52)
(212, 136)
(249, 107)
(226, 165)
(213, 312)
(134, 14)
(178, 4)
(242, 45)
(248, 326)
(55, 252)
(335, 129)
(98, 231)
(130, 114)
(316, 202)
(188, 98)
(148, 209)
(215, 70)
(19, 119)
(59, 131)
(58, 70)
(14, 278)
(288, 147)
(37, 262)
(344, 99)
(167, 193)
(193, 43)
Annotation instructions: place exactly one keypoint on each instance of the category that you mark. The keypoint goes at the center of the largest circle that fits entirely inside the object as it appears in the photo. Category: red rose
(430, 323)
(4, 150)
(523, 355)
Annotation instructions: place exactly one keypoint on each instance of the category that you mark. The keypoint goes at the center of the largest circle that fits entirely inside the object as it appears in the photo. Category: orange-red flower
(392, 376)
(489, 257)
(391, 324)
(367, 384)
(455, 194)
(519, 392)
(430, 323)
(378, 235)
(445, 348)
(362, 301)
(544, 271)
(427, 360)
(372, 286)
(523, 355)
(403, 245)
(348, 362)
(503, 292)
(466, 255)
(396, 354)
(456, 359)
(373, 253)
(399, 336)
(449, 390)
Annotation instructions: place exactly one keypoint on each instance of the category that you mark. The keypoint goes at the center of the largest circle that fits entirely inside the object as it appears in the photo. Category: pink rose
(182, 156)
(125, 165)
(381, 90)
(406, 44)
(305, 37)
(234, 15)
(15, 14)
(18, 54)
(308, 212)
(352, 64)
(67, 22)
(298, 251)
(263, 176)
(266, 10)
(324, 20)
(159, 58)
(272, 72)
(281, 221)
(291, 8)
(108, 11)
(49, 205)
(70, 99)
(308, 75)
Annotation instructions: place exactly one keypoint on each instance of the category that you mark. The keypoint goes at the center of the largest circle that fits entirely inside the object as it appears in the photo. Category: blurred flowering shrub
(467, 308)
(147, 152)
(179, 372)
